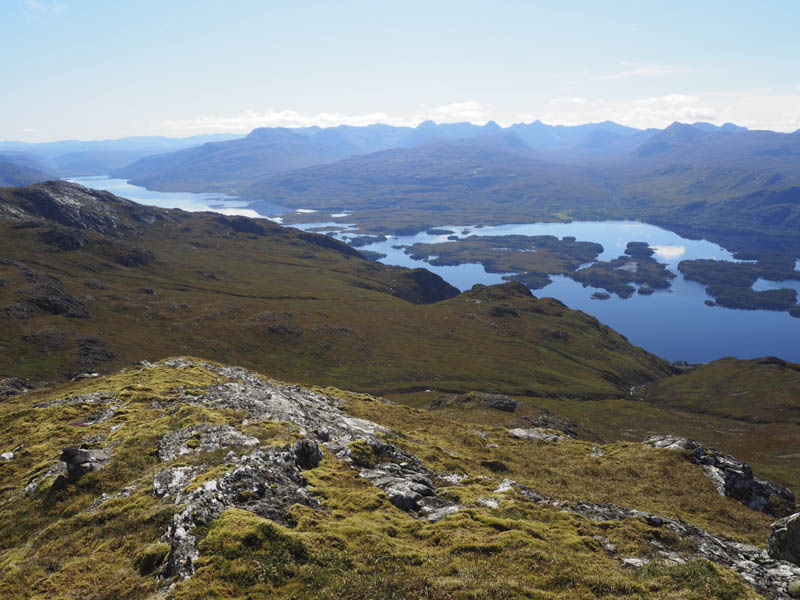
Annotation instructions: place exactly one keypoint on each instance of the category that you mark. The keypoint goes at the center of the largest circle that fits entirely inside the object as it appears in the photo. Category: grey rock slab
(205, 438)
(769, 576)
(731, 477)
(266, 482)
(535, 434)
(784, 539)
(171, 481)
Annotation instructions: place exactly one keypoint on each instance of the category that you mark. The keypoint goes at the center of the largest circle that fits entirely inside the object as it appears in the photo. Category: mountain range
(72, 158)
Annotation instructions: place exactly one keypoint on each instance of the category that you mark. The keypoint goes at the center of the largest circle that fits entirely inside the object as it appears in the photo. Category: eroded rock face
(172, 481)
(405, 480)
(732, 477)
(64, 240)
(49, 296)
(496, 401)
(784, 540)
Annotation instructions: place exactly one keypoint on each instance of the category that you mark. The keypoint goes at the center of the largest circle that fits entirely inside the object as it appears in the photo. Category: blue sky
(89, 69)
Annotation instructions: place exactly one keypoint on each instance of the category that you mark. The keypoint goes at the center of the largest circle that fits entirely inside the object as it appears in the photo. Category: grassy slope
(740, 208)
(54, 545)
(279, 304)
(301, 311)
(748, 408)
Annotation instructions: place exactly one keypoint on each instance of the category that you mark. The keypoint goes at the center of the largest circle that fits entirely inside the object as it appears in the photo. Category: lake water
(226, 205)
(674, 324)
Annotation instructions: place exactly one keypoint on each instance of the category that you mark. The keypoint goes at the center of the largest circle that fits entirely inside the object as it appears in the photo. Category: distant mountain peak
(427, 124)
(732, 127)
(491, 125)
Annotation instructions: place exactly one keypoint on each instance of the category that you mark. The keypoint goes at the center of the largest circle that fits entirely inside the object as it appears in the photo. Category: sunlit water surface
(675, 324)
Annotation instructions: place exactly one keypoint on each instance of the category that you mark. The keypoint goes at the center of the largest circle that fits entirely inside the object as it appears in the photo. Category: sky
(88, 69)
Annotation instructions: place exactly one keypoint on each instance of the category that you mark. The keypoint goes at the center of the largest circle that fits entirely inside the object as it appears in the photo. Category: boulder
(307, 454)
(79, 462)
(534, 434)
(784, 540)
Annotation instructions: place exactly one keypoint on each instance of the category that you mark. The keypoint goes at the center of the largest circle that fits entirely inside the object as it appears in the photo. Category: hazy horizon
(234, 135)
(86, 70)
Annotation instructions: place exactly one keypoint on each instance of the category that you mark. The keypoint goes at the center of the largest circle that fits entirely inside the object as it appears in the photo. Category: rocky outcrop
(266, 482)
(92, 351)
(771, 577)
(170, 482)
(330, 243)
(731, 476)
(241, 225)
(134, 257)
(402, 476)
(784, 540)
(420, 286)
(47, 294)
(494, 401)
(13, 386)
(63, 239)
(71, 205)
(202, 438)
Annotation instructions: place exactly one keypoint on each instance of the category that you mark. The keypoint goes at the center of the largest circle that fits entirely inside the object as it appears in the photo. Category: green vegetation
(66, 544)
(301, 306)
(310, 309)
(617, 274)
(747, 299)
(530, 258)
(730, 283)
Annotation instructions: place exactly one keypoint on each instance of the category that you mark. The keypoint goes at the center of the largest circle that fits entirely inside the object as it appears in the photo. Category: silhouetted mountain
(493, 171)
(725, 146)
(21, 169)
(74, 157)
(222, 166)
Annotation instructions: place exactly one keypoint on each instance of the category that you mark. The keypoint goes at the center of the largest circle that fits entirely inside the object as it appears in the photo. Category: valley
(686, 328)
(399, 301)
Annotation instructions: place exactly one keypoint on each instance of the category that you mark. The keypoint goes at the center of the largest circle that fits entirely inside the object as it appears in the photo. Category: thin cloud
(43, 6)
(470, 110)
(763, 109)
(461, 111)
(643, 71)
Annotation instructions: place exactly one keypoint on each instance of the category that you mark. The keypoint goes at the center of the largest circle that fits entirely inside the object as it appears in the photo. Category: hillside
(92, 281)
(487, 181)
(507, 462)
(270, 150)
(229, 165)
(71, 158)
(20, 169)
(191, 479)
